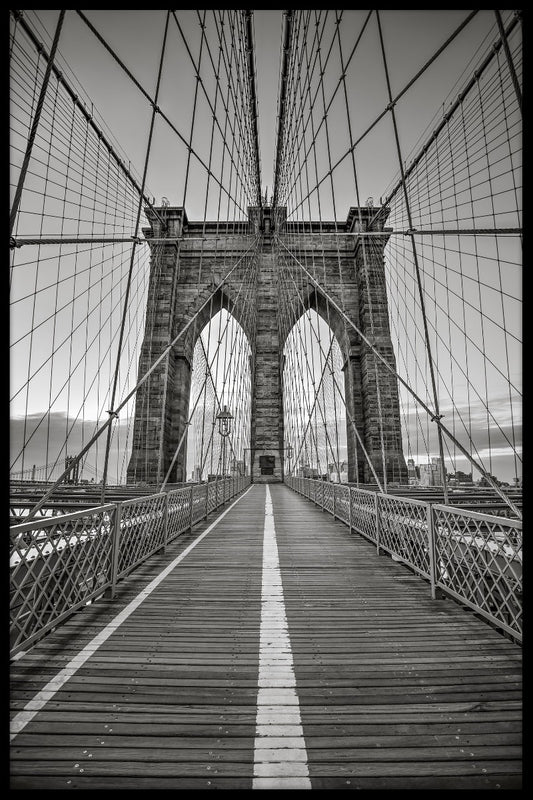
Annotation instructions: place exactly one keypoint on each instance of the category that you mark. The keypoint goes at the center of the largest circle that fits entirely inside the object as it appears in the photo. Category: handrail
(60, 563)
(473, 557)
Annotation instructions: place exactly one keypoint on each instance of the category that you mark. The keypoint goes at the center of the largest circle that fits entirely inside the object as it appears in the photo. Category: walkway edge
(34, 705)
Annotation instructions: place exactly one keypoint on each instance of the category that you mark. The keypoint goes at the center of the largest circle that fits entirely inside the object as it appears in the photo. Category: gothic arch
(204, 308)
(227, 382)
(315, 300)
(327, 442)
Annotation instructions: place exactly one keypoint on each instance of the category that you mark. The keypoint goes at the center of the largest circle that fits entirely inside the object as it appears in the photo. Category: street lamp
(224, 428)
(289, 452)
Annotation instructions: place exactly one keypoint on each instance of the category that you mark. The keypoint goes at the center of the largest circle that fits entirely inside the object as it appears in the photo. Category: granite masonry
(189, 260)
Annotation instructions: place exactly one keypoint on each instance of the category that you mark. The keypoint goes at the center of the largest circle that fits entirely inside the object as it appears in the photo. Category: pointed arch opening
(221, 383)
(314, 409)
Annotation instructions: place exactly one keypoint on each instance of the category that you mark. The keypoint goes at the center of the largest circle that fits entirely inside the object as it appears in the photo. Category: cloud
(49, 438)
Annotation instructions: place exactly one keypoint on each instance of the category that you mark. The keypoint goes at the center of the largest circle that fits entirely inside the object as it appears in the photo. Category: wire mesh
(60, 563)
(480, 562)
(363, 513)
(142, 530)
(56, 565)
(477, 557)
(403, 530)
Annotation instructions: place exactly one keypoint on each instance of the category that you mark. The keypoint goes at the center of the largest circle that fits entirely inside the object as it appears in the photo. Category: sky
(411, 37)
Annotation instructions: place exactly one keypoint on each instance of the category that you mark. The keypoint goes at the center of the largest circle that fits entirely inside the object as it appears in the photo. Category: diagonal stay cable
(132, 258)
(350, 418)
(35, 124)
(139, 383)
(153, 103)
(209, 375)
(394, 101)
(81, 108)
(451, 111)
(404, 383)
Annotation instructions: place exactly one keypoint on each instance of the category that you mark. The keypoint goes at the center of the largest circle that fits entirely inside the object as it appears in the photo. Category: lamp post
(224, 428)
(289, 452)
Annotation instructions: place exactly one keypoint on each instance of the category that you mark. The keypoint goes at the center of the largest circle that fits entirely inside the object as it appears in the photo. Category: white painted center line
(280, 755)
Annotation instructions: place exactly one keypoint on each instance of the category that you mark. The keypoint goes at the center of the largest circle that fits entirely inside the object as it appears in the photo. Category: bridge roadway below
(343, 675)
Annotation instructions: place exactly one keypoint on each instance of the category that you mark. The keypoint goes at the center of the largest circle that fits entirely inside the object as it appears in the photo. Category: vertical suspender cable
(416, 264)
(35, 124)
(132, 259)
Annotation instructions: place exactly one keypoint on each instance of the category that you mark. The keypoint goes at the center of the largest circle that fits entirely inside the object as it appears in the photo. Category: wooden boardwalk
(395, 690)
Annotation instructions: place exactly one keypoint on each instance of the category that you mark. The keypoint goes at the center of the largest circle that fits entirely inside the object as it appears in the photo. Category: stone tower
(186, 256)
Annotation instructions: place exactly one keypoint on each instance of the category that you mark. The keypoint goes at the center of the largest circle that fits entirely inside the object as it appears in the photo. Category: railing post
(334, 493)
(115, 549)
(376, 506)
(191, 498)
(350, 507)
(431, 546)
(323, 495)
(165, 524)
(206, 500)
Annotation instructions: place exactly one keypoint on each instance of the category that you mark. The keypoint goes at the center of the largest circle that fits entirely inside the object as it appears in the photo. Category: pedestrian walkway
(272, 649)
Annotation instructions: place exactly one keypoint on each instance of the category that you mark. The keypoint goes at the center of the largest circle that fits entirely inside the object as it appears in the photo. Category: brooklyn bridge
(265, 381)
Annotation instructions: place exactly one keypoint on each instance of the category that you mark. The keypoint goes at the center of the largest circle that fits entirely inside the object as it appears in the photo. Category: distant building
(413, 473)
(196, 475)
(430, 474)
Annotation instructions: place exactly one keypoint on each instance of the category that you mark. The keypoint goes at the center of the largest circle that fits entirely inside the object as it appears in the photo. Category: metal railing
(475, 558)
(59, 564)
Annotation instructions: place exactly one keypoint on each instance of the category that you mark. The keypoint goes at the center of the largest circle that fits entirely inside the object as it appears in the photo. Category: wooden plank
(136, 739)
(377, 640)
(396, 690)
(185, 725)
(342, 757)
(161, 768)
(90, 782)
